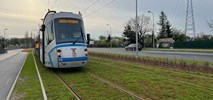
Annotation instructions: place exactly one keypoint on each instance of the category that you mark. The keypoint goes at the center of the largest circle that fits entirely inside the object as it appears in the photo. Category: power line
(100, 8)
(90, 6)
(54, 4)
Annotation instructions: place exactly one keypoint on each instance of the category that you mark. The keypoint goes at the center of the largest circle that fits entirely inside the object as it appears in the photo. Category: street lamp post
(5, 42)
(137, 53)
(5, 33)
(153, 31)
(110, 29)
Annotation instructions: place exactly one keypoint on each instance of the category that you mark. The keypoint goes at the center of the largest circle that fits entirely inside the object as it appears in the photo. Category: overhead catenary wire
(112, 1)
(84, 11)
(54, 4)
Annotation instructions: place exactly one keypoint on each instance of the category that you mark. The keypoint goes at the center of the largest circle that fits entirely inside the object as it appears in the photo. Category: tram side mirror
(88, 38)
(42, 28)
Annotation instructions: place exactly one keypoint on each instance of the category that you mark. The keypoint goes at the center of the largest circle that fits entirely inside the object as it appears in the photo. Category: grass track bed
(54, 87)
(27, 86)
(89, 88)
(153, 83)
(169, 75)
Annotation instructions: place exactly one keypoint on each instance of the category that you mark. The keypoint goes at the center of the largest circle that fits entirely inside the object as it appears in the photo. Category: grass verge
(186, 65)
(153, 83)
(55, 89)
(27, 86)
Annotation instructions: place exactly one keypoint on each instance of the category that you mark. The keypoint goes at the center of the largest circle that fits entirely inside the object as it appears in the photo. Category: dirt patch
(178, 65)
(26, 50)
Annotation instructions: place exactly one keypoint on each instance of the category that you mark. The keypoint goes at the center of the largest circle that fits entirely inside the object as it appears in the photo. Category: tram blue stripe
(64, 45)
(73, 59)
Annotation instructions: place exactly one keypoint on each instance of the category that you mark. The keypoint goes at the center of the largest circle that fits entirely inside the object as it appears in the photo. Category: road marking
(14, 83)
(7, 81)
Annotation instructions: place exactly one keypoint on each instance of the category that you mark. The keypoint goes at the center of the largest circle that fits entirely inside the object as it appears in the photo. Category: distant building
(165, 43)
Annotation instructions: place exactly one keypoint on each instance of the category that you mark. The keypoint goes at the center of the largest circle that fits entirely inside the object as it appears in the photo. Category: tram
(62, 42)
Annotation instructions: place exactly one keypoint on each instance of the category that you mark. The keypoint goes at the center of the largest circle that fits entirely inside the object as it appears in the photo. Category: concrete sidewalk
(9, 54)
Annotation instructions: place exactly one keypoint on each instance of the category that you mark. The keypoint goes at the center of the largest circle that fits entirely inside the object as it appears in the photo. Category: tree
(109, 38)
(129, 34)
(179, 35)
(210, 23)
(102, 41)
(143, 27)
(148, 40)
(203, 37)
(169, 29)
(165, 26)
(14, 41)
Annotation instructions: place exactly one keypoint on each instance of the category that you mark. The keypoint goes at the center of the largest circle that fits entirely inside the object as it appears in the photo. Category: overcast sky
(20, 16)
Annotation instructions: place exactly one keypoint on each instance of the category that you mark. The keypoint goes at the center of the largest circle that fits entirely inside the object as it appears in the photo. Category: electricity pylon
(190, 23)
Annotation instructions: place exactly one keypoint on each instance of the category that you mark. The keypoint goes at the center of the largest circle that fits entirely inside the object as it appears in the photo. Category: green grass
(55, 89)
(86, 86)
(146, 81)
(178, 61)
(89, 88)
(28, 86)
(153, 83)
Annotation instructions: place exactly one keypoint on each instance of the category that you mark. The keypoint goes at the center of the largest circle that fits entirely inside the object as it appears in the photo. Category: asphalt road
(207, 57)
(10, 65)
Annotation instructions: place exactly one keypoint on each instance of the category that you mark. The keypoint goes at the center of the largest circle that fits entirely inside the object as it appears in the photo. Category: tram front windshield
(68, 30)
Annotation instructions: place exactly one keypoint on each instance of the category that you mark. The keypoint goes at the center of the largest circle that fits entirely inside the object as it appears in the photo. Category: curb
(14, 83)
(40, 79)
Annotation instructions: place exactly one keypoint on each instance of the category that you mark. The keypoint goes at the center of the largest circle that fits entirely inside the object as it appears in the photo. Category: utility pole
(153, 31)
(137, 53)
(190, 23)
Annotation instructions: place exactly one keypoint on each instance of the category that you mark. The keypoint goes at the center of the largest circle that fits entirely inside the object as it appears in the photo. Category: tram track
(77, 96)
(115, 86)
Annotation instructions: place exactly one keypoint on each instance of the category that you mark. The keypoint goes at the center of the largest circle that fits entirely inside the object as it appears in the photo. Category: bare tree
(144, 26)
(210, 23)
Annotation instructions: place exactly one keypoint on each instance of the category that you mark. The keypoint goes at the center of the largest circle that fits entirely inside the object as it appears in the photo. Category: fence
(194, 44)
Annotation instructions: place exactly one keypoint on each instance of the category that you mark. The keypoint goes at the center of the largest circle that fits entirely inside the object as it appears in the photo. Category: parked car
(132, 47)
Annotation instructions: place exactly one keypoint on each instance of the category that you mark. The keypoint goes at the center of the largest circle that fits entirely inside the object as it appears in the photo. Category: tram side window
(49, 32)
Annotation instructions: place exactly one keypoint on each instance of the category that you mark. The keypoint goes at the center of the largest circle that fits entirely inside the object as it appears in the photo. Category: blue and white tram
(63, 42)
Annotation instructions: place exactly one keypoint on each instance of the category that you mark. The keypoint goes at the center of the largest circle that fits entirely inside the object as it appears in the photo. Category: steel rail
(78, 97)
(115, 86)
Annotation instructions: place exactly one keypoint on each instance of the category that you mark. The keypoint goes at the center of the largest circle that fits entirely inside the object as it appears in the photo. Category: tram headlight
(58, 50)
(86, 52)
(59, 53)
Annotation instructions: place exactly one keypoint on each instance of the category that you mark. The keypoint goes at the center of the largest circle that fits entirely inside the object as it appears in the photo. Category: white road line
(14, 83)
(7, 81)
(40, 79)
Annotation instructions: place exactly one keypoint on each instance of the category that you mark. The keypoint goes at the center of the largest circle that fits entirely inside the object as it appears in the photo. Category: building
(165, 43)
